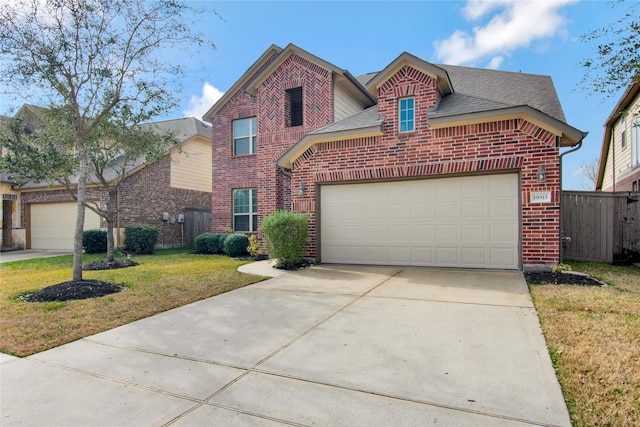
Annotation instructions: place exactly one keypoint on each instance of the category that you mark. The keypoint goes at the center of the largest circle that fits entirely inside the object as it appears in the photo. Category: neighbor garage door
(470, 222)
(53, 225)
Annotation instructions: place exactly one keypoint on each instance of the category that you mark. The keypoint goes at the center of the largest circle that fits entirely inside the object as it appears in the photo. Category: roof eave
(241, 81)
(441, 75)
(285, 53)
(568, 135)
(287, 159)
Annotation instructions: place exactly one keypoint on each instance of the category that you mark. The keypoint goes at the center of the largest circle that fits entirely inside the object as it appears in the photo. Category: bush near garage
(140, 238)
(94, 241)
(285, 236)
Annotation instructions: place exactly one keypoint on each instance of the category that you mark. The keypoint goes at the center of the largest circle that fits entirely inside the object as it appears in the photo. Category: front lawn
(165, 280)
(593, 336)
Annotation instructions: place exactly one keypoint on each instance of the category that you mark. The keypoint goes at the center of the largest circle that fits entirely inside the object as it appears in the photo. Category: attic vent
(293, 107)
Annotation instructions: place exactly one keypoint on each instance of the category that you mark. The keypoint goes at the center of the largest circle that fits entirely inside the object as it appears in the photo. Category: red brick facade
(143, 197)
(510, 145)
(274, 138)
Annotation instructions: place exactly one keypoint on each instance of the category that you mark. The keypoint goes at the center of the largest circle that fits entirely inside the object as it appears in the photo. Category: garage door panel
(447, 257)
(474, 257)
(449, 222)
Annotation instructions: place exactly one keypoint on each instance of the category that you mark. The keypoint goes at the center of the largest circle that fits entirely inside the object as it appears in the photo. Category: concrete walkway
(23, 254)
(328, 345)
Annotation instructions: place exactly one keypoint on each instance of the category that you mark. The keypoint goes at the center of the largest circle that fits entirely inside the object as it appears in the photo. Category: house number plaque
(540, 197)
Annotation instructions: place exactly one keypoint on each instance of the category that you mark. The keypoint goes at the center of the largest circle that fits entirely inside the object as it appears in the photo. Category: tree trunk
(110, 220)
(82, 201)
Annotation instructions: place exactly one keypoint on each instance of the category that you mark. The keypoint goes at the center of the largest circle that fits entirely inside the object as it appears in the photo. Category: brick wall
(514, 145)
(259, 170)
(509, 145)
(143, 197)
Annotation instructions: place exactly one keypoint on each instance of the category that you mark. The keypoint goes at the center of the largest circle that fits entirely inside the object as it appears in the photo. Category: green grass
(165, 280)
(593, 336)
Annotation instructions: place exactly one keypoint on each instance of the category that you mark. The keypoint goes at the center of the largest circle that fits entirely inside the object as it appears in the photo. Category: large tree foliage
(101, 65)
(616, 63)
(40, 150)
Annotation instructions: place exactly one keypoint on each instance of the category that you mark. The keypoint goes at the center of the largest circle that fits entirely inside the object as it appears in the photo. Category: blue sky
(539, 37)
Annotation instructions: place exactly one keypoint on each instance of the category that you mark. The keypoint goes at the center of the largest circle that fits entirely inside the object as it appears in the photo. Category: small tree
(285, 236)
(616, 63)
(101, 64)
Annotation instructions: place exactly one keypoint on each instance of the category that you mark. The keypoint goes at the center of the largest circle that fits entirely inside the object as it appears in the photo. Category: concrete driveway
(329, 345)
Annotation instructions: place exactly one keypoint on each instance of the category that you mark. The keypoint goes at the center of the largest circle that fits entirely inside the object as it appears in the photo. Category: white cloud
(514, 25)
(199, 105)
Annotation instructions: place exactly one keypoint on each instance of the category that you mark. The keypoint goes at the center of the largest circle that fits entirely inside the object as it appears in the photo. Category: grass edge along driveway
(593, 337)
(165, 280)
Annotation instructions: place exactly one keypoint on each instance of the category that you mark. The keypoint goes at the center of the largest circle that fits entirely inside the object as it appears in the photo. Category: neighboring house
(619, 168)
(157, 193)
(418, 164)
(10, 209)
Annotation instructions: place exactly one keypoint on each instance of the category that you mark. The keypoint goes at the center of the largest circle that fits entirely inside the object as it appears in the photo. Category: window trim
(253, 131)
(294, 107)
(252, 213)
(412, 110)
(635, 142)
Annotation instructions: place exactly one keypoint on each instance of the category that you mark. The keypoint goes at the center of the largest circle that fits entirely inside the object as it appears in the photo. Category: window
(244, 136)
(294, 107)
(406, 115)
(623, 133)
(245, 209)
(635, 142)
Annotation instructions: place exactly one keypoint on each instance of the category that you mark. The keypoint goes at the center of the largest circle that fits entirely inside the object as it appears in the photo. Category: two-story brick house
(418, 164)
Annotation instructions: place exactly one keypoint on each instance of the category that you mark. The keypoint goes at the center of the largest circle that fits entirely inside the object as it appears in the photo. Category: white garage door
(470, 222)
(53, 225)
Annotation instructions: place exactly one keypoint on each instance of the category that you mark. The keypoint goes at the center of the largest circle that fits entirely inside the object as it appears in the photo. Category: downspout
(573, 148)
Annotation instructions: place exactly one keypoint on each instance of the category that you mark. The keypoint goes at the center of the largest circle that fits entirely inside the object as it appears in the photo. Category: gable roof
(354, 86)
(442, 78)
(628, 97)
(469, 94)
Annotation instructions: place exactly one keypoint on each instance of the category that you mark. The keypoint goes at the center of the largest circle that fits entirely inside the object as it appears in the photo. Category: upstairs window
(245, 209)
(635, 142)
(294, 107)
(244, 136)
(406, 115)
(623, 132)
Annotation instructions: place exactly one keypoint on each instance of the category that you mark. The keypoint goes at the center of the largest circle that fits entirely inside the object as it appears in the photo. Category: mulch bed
(560, 278)
(106, 265)
(71, 290)
(82, 289)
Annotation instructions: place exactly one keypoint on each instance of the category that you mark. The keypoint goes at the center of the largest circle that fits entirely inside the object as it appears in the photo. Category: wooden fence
(602, 227)
(195, 222)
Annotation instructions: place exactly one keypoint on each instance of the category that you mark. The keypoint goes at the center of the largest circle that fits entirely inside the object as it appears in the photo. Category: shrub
(254, 247)
(285, 236)
(201, 243)
(212, 241)
(236, 244)
(141, 238)
(220, 238)
(94, 241)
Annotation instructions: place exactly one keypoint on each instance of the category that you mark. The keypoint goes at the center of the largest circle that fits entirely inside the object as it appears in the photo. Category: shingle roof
(363, 119)
(509, 88)
(183, 128)
(475, 90)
